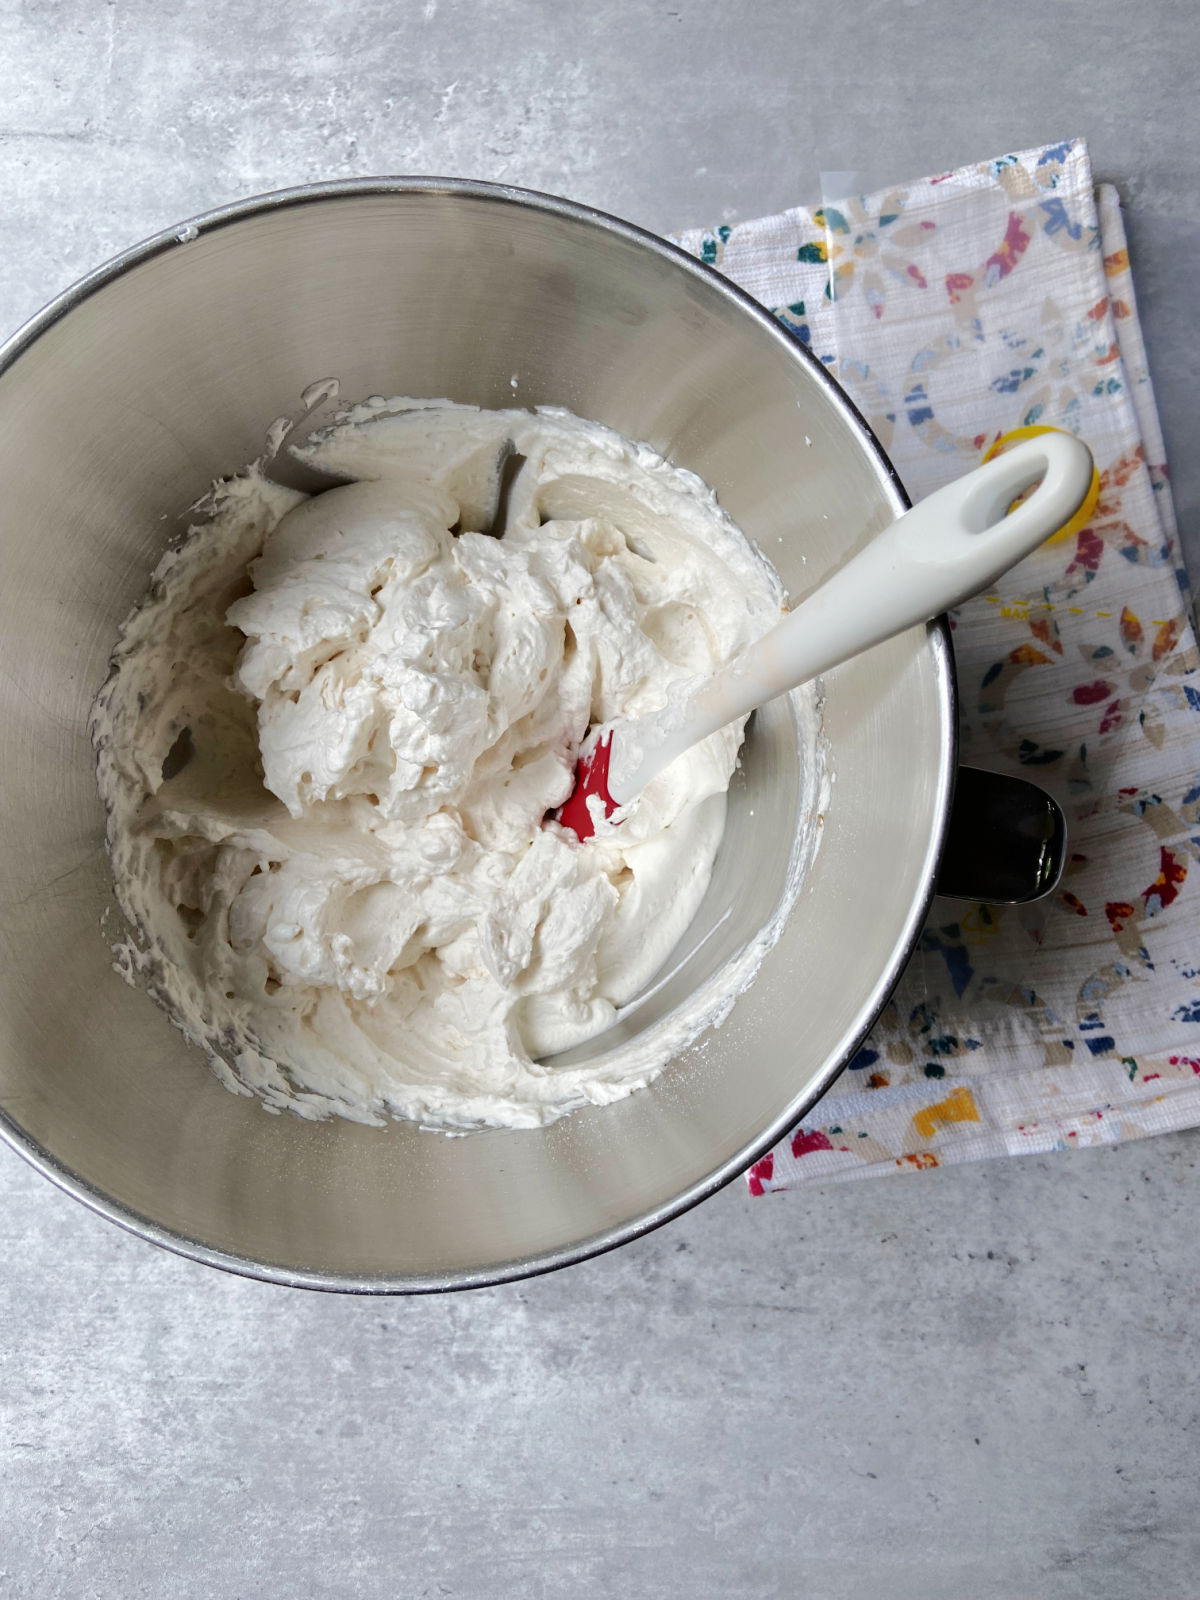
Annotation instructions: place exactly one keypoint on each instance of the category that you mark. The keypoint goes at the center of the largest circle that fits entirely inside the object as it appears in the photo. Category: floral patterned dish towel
(955, 310)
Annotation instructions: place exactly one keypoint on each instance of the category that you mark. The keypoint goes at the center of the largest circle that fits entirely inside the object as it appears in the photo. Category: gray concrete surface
(966, 1384)
(974, 1384)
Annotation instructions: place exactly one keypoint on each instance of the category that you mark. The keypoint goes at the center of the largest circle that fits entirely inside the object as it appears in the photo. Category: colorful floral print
(955, 310)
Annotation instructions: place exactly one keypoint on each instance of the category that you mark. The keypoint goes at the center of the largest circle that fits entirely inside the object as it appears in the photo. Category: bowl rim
(938, 639)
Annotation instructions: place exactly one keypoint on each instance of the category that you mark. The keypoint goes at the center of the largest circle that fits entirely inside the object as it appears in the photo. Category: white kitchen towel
(956, 310)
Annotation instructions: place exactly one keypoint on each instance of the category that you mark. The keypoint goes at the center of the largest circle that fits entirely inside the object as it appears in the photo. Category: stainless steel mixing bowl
(161, 371)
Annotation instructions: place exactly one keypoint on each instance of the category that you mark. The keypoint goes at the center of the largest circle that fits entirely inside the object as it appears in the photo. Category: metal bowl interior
(119, 404)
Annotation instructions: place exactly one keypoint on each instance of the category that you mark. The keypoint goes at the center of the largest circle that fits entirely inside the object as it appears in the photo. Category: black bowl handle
(1006, 842)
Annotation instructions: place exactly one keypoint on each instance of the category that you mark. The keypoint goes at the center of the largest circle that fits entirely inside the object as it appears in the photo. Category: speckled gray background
(966, 1384)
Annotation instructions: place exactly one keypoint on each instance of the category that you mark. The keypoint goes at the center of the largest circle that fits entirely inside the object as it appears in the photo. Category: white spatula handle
(934, 557)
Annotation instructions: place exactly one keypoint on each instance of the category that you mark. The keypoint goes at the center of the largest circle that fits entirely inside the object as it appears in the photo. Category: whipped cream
(335, 725)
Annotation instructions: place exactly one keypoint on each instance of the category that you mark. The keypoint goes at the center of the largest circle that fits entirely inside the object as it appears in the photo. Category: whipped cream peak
(336, 725)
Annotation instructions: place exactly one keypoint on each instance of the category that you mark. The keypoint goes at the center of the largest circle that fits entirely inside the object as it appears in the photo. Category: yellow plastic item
(1084, 515)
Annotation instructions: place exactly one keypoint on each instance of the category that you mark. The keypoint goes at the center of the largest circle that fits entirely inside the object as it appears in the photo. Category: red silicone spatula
(934, 557)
